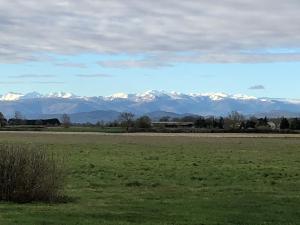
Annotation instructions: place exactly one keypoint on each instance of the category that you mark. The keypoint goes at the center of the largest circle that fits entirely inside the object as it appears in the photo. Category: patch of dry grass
(29, 173)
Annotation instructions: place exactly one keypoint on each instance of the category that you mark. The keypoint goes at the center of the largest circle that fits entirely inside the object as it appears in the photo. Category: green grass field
(119, 180)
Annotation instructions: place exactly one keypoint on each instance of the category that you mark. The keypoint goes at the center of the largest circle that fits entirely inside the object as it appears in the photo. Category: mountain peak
(243, 97)
(215, 96)
(118, 96)
(32, 95)
(61, 95)
(149, 95)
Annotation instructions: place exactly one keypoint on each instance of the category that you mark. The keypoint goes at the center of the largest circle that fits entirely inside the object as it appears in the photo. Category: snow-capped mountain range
(11, 96)
(146, 96)
(151, 101)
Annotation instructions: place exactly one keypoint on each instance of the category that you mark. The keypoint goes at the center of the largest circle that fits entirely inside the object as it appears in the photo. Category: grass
(87, 129)
(119, 180)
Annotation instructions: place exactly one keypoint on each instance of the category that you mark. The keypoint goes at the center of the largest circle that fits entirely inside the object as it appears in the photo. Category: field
(168, 180)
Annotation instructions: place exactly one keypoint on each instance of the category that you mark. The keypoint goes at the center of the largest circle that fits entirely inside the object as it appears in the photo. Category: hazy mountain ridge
(218, 104)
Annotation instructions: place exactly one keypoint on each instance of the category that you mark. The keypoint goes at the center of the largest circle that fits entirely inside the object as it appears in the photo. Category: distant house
(173, 124)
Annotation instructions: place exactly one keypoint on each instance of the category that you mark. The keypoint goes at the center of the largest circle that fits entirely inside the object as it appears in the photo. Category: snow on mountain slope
(117, 96)
(150, 101)
(146, 96)
(11, 96)
(60, 95)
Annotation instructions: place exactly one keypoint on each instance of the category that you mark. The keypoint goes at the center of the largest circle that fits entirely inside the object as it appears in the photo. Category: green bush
(30, 173)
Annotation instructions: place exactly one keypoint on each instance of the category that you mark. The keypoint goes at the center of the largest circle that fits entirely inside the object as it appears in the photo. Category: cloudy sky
(91, 47)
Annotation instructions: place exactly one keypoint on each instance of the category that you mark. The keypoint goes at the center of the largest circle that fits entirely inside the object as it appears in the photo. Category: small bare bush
(30, 173)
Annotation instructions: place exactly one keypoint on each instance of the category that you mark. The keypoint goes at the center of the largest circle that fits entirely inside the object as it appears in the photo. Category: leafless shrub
(30, 173)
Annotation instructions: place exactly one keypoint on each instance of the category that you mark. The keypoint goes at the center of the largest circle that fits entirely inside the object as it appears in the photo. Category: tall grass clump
(30, 173)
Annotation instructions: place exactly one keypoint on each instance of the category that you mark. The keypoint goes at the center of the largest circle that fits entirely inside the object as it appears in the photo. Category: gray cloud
(25, 76)
(31, 82)
(93, 75)
(144, 63)
(48, 82)
(228, 31)
(75, 65)
(169, 59)
(257, 87)
(47, 76)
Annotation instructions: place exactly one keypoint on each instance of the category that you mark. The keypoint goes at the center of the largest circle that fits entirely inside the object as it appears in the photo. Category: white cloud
(214, 31)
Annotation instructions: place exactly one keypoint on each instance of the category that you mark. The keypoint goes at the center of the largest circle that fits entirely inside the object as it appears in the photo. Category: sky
(94, 48)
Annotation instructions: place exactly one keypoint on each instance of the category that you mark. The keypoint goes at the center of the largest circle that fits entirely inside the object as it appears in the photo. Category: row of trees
(234, 120)
(293, 124)
(127, 120)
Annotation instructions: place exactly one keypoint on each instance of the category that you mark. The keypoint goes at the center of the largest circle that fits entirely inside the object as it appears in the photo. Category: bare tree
(126, 120)
(3, 121)
(18, 115)
(2, 117)
(66, 120)
(235, 119)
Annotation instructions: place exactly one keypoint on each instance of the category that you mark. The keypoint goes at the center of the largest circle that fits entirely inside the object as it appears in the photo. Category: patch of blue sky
(279, 79)
(272, 51)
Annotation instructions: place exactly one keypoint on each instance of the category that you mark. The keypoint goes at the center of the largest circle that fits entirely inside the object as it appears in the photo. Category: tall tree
(221, 123)
(295, 124)
(236, 118)
(263, 122)
(284, 124)
(2, 117)
(126, 120)
(143, 122)
(200, 122)
(250, 124)
(66, 120)
(3, 120)
(18, 115)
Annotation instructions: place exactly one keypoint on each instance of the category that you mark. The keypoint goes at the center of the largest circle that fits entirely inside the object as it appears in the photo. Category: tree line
(233, 121)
